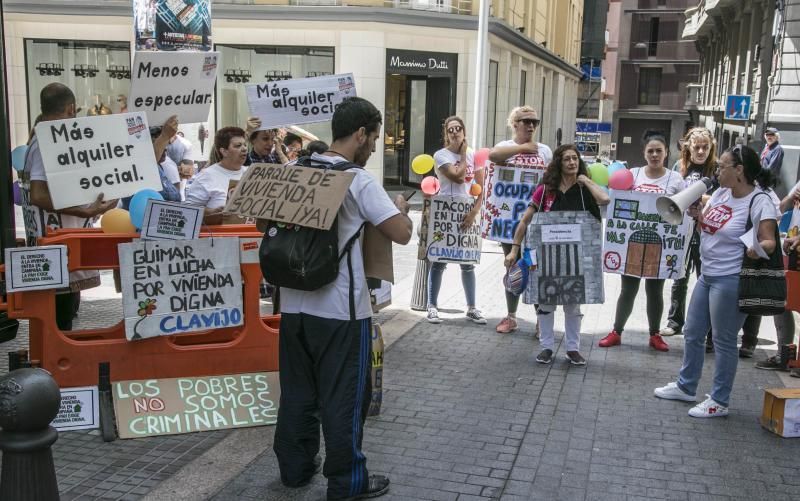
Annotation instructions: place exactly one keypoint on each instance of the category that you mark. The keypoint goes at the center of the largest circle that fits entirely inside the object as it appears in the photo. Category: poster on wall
(508, 191)
(638, 242)
(174, 287)
(300, 100)
(172, 25)
(446, 241)
(568, 247)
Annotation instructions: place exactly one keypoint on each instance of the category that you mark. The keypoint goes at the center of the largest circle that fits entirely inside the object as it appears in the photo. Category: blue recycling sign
(737, 107)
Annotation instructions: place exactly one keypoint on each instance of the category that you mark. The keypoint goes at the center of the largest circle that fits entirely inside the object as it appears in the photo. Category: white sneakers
(669, 331)
(673, 392)
(708, 408)
(433, 316)
(473, 314)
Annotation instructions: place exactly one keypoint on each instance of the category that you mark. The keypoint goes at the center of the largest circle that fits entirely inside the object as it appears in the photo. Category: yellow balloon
(422, 164)
(117, 221)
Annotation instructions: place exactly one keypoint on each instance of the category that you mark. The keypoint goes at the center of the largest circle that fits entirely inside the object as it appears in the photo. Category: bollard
(419, 295)
(29, 401)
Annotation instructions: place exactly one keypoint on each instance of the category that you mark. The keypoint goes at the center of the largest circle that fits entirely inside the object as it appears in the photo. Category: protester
(521, 151)
(58, 103)
(714, 302)
(210, 187)
(791, 245)
(179, 148)
(314, 147)
(455, 168)
(772, 154)
(292, 144)
(566, 187)
(186, 170)
(653, 178)
(262, 144)
(325, 346)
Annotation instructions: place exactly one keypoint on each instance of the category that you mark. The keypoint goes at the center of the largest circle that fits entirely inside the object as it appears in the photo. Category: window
(491, 104)
(649, 85)
(653, 42)
(523, 84)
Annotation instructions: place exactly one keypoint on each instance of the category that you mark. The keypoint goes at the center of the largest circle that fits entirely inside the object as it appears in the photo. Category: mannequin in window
(122, 102)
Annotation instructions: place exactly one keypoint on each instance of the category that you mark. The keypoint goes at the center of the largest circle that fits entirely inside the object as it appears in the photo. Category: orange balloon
(117, 221)
(475, 190)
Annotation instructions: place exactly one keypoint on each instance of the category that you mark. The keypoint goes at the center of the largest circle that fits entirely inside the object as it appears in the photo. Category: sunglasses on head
(455, 129)
(530, 121)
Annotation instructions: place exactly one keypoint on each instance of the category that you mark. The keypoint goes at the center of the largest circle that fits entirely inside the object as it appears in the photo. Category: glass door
(417, 91)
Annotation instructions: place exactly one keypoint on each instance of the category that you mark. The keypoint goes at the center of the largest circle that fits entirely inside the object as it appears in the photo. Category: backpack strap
(348, 249)
(749, 223)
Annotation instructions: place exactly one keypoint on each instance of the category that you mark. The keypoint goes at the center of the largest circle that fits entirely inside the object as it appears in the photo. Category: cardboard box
(377, 251)
(781, 413)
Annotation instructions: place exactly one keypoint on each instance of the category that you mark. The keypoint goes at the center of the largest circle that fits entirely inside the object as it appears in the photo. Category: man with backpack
(325, 333)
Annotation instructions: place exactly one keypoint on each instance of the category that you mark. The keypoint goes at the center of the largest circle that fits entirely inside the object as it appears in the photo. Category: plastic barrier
(73, 357)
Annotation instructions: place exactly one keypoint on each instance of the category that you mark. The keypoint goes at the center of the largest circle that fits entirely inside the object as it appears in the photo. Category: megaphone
(671, 209)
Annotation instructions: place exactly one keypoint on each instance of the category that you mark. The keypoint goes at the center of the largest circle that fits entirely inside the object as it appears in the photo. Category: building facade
(593, 125)
(414, 60)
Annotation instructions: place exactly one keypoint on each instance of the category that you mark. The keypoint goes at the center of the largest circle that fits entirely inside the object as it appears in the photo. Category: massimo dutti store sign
(412, 62)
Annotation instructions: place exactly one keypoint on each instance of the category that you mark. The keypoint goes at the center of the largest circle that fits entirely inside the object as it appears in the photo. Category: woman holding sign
(456, 171)
(653, 178)
(566, 187)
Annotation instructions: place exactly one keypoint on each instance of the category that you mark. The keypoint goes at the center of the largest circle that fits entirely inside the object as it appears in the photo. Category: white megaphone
(671, 209)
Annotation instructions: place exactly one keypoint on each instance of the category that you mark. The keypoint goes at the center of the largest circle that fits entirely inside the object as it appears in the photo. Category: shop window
(649, 85)
(491, 104)
(97, 72)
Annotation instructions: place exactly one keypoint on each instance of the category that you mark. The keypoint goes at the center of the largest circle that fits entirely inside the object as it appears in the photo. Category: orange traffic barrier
(73, 357)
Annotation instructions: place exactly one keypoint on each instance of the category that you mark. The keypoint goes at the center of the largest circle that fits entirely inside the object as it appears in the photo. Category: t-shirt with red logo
(724, 221)
(670, 183)
(538, 160)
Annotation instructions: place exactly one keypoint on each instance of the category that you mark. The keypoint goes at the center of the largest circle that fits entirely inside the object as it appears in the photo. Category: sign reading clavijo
(412, 62)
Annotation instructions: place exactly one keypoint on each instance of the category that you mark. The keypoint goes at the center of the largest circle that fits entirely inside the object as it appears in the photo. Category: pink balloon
(621, 180)
(481, 156)
(430, 185)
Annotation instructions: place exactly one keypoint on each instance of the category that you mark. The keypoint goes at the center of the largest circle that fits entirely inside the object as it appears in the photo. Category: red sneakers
(613, 339)
(657, 343)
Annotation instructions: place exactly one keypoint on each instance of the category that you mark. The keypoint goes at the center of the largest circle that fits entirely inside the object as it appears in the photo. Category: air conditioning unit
(694, 95)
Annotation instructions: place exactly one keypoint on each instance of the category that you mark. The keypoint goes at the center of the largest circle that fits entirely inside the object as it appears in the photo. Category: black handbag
(762, 282)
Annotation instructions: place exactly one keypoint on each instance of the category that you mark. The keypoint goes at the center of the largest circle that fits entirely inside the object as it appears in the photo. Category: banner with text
(289, 194)
(182, 286)
(172, 25)
(638, 242)
(298, 101)
(109, 154)
(36, 268)
(147, 408)
(173, 83)
(447, 242)
(171, 221)
(508, 191)
(80, 409)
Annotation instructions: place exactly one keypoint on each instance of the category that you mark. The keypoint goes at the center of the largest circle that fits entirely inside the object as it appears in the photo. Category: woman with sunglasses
(455, 168)
(521, 151)
(743, 194)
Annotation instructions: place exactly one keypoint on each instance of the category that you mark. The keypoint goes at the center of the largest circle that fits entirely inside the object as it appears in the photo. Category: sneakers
(669, 331)
(433, 316)
(475, 315)
(377, 485)
(575, 358)
(657, 343)
(612, 339)
(708, 408)
(673, 392)
(506, 325)
(771, 364)
(545, 357)
(746, 351)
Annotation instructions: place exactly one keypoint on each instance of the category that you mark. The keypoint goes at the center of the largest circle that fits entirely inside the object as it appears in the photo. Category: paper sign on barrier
(171, 221)
(80, 409)
(36, 268)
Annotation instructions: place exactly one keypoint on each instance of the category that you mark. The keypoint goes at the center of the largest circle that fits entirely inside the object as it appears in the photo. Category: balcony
(698, 19)
(444, 6)
(694, 96)
(681, 50)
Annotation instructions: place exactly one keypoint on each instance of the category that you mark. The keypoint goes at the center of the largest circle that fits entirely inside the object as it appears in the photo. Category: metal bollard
(29, 401)
(419, 296)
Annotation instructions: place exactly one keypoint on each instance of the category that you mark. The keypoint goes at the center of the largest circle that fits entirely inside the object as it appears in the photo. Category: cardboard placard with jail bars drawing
(568, 247)
(638, 243)
(508, 191)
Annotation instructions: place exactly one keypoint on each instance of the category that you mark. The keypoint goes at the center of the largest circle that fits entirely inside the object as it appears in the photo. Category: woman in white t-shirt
(456, 171)
(653, 178)
(714, 300)
(210, 187)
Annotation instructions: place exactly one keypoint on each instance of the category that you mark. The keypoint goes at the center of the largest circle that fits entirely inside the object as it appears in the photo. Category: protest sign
(233, 218)
(171, 221)
(422, 231)
(568, 246)
(172, 25)
(80, 409)
(508, 191)
(290, 194)
(638, 242)
(109, 154)
(298, 101)
(173, 287)
(151, 407)
(447, 242)
(36, 268)
(173, 83)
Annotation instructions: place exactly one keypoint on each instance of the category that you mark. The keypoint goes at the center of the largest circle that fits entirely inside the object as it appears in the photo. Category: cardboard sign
(153, 407)
(447, 243)
(377, 252)
(36, 268)
(298, 101)
(173, 287)
(568, 246)
(171, 221)
(173, 83)
(422, 231)
(638, 242)
(508, 191)
(109, 154)
(80, 409)
(233, 218)
(172, 25)
(290, 194)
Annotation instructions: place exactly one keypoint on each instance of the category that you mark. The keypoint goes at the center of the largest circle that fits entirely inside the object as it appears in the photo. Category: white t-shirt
(210, 187)
(448, 187)
(538, 160)
(179, 149)
(724, 221)
(366, 201)
(669, 184)
(171, 170)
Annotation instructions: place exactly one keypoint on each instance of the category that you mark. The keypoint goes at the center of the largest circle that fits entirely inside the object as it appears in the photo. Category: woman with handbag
(721, 300)
(565, 187)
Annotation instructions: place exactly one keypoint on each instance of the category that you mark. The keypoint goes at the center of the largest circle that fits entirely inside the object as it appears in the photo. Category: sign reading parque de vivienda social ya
(109, 154)
(151, 407)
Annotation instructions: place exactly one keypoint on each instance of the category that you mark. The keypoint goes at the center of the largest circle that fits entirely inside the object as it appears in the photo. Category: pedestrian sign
(737, 107)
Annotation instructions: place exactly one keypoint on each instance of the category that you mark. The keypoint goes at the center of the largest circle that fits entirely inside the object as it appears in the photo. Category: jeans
(572, 325)
(784, 328)
(435, 283)
(654, 289)
(713, 304)
(512, 300)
